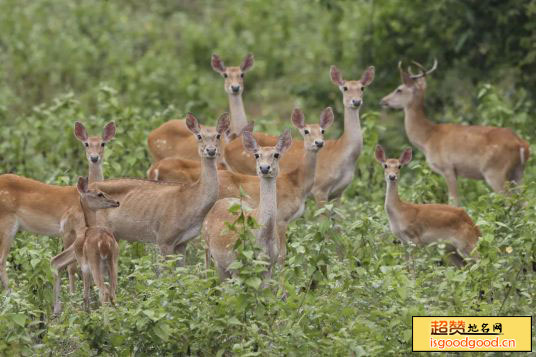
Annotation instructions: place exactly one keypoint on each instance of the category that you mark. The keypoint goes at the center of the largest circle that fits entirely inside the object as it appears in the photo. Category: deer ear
(368, 76)
(217, 64)
(192, 123)
(406, 156)
(108, 132)
(297, 118)
(249, 142)
(82, 184)
(380, 153)
(80, 131)
(247, 63)
(223, 123)
(336, 76)
(284, 142)
(326, 118)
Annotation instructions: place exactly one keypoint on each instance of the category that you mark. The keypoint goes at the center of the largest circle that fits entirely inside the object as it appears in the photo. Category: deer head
(352, 91)
(392, 167)
(267, 158)
(413, 85)
(94, 145)
(313, 134)
(94, 198)
(234, 76)
(208, 139)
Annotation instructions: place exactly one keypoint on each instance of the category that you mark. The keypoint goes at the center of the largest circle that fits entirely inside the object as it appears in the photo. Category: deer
(167, 214)
(96, 250)
(173, 137)
(94, 148)
(220, 241)
(293, 186)
(496, 155)
(422, 224)
(336, 162)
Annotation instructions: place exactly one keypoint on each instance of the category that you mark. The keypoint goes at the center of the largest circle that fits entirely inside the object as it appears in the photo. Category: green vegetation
(350, 289)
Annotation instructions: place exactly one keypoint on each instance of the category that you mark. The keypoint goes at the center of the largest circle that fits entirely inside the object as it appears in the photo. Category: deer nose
(392, 177)
(265, 169)
(356, 102)
(319, 143)
(94, 158)
(211, 152)
(235, 89)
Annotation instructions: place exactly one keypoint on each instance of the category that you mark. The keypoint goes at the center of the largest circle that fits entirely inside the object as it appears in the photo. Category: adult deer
(220, 241)
(96, 250)
(173, 137)
(94, 148)
(423, 224)
(293, 187)
(496, 155)
(169, 215)
(336, 162)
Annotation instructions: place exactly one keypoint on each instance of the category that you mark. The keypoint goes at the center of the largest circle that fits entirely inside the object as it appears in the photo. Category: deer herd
(199, 172)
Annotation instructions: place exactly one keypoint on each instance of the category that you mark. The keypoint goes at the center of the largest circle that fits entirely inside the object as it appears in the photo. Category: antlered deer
(96, 250)
(422, 224)
(336, 162)
(220, 241)
(496, 155)
(173, 137)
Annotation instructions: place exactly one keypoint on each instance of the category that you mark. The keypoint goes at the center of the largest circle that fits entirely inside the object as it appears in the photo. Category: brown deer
(96, 250)
(423, 224)
(169, 215)
(220, 240)
(336, 162)
(496, 155)
(293, 186)
(173, 137)
(94, 148)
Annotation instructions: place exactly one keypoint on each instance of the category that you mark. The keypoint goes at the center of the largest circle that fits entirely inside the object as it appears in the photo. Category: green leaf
(254, 282)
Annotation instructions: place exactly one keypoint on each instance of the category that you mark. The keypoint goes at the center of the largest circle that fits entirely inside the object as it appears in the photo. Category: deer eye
(218, 136)
(100, 195)
(399, 90)
(199, 137)
(306, 132)
(86, 144)
(102, 144)
(399, 167)
(225, 75)
(362, 89)
(241, 75)
(256, 156)
(276, 155)
(384, 166)
(345, 88)
(322, 131)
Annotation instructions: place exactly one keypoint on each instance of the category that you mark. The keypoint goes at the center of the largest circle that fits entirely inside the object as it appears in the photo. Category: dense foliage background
(350, 288)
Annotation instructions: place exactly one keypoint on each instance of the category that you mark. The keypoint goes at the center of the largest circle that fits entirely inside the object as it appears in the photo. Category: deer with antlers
(336, 162)
(169, 215)
(220, 241)
(423, 224)
(96, 250)
(293, 186)
(173, 138)
(496, 155)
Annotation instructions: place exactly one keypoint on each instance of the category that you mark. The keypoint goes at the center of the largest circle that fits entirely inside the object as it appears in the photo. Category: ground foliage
(349, 288)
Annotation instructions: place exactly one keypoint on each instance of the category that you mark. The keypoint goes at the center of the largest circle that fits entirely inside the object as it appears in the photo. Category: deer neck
(208, 182)
(95, 172)
(238, 114)
(307, 172)
(352, 136)
(417, 125)
(267, 211)
(90, 216)
(392, 200)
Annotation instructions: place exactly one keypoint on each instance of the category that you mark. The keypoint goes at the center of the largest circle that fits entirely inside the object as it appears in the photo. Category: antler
(423, 72)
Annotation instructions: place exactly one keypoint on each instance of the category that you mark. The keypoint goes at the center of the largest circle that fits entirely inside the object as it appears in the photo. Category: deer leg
(96, 266)
(450, 178)
(496, 180)
(8, 229)
(112, 271)
(181, 249)
(58, 263)
(86, 278)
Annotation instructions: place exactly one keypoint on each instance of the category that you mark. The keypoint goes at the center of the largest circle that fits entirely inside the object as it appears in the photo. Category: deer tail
(104, 249)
